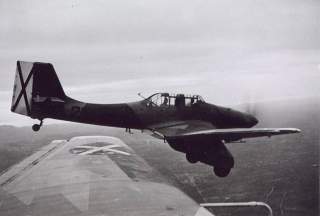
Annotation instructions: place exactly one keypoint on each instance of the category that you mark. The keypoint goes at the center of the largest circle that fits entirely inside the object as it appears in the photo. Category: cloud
(107, 51)
(153, 83)
(265, 23)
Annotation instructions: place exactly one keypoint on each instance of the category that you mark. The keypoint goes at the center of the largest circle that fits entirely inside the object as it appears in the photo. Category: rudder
(34, 82)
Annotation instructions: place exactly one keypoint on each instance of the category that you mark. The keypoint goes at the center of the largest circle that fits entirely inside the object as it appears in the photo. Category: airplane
(186, 122)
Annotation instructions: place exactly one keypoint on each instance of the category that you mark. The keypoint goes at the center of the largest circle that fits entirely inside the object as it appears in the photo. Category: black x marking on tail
(23, 89)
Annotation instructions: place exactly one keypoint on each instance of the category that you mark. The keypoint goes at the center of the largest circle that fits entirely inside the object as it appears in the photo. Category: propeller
(251, 108)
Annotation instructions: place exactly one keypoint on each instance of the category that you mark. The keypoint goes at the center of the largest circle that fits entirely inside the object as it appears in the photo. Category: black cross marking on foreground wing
(23, 89)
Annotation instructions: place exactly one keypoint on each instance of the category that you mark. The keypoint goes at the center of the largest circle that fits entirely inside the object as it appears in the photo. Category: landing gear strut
(129, 130)
(36, 127)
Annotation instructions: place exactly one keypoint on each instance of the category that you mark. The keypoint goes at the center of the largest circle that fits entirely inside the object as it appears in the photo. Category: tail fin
(34, 82)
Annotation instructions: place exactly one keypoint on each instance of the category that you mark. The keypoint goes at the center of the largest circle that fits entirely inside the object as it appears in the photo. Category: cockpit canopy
(166, 99)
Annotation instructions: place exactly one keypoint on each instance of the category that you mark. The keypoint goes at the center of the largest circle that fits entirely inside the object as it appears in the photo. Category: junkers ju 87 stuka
(186, 122)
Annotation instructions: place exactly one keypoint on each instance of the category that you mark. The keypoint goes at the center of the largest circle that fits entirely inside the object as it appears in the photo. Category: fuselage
(140, 114)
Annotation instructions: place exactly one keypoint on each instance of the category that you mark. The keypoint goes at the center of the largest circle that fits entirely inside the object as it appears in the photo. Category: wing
(196, 129)
(178, 128)
(90, 176)
(236, 133)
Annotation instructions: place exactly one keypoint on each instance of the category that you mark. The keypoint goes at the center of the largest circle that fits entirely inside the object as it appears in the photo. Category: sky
(106, 51)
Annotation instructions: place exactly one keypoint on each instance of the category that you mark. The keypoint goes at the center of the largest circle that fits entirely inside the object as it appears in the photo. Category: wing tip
(290, 130)
(296, 130)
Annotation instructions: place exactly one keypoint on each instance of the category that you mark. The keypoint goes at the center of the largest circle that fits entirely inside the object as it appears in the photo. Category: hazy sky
(104, 51)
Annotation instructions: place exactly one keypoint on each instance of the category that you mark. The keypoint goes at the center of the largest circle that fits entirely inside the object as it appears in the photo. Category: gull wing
(110, 179)
(234, 134)
(178, 128)
(200, 129)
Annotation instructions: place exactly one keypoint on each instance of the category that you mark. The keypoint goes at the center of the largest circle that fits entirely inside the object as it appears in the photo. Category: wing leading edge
(197, 129)
(234, 134)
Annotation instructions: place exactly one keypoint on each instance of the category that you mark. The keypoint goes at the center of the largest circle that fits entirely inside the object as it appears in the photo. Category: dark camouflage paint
(50, 101)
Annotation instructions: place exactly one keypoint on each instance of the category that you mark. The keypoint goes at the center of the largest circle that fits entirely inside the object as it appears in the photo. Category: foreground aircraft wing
(95, 175)
(234, 134)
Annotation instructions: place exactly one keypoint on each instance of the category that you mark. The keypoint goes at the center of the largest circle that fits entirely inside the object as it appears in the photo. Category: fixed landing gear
(36, 127)
(223, 166)
(221, 171)
(192, 158)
